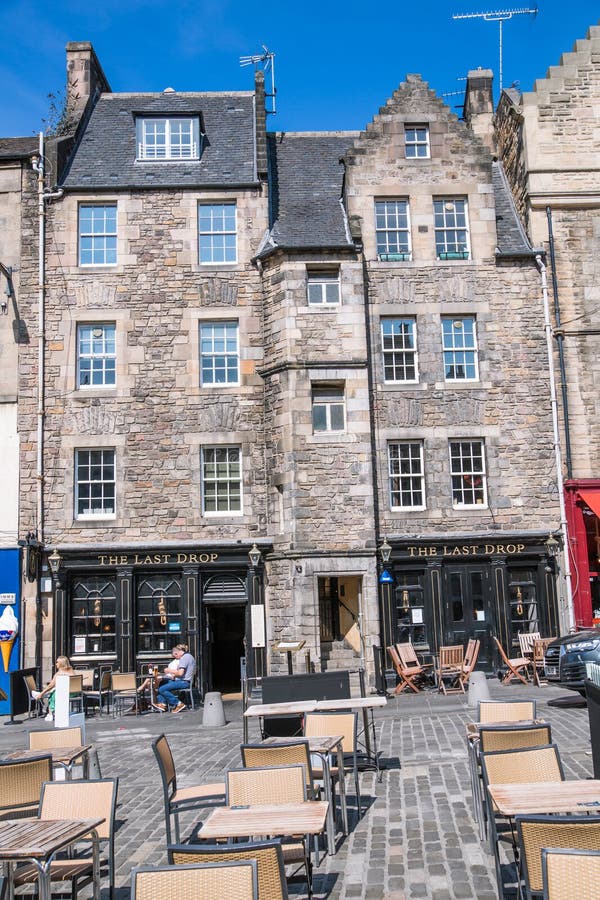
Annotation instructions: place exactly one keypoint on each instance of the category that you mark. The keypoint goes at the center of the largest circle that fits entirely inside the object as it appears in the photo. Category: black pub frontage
(446, 591)
(128, 606)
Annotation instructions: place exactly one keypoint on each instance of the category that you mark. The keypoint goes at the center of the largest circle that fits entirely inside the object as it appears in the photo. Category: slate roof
(511, 236)
(17, 147)
(307, 179)
(105, 157)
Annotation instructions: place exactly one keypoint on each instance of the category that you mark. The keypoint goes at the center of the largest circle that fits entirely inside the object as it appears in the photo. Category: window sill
(92, 393)
(466, 507)
(94, 520)
(331, 437)
(407, 509)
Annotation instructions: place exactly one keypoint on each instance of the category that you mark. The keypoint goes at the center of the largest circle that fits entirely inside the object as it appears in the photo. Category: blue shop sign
(386, 578)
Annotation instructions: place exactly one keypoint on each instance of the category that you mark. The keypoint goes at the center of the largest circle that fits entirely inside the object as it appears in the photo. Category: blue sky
(335, 64)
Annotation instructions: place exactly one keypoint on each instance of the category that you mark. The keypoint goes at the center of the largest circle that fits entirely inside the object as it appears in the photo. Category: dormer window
(168, 138)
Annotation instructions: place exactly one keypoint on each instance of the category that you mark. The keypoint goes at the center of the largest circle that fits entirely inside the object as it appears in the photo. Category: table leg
(95, 864)
(342, 784)
(330, 825)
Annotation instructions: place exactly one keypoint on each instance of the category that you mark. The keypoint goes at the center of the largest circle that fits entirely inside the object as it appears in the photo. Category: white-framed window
(219, 353)
(459, 341)
(168, 138)
(328, 408)
(416, 141)
(406, 475)
(221, 480)
(97, 234)
(323, 287)
(467, 471)
(217, 232)
(95, 484)
(96, 355)
(451, 228)
(392, 230)
(399, 348)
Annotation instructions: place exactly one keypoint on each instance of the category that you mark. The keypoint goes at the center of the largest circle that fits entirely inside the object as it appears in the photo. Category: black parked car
(567, 656)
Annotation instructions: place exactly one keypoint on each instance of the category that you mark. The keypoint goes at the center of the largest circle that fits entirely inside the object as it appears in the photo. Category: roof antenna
(268, 64)
(499, 16)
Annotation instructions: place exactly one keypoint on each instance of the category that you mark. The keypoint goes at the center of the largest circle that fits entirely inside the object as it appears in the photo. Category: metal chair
(235, 880)
(506, 711)
(567, 832)
(561, 869)
(96, 697)
(268, 855)
(77, 800)
(50, 738)
(123, 690)
(21, 784)
(35, 704)
(178, 800)
(346, 724)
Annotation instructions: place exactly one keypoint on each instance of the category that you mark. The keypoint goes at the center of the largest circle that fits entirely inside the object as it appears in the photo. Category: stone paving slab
(417, 837)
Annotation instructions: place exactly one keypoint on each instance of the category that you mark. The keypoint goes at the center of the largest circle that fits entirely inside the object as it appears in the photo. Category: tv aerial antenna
(499, 16)
(267, 60)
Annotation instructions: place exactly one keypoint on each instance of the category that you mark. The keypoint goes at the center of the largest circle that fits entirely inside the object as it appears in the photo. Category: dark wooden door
(468, 611)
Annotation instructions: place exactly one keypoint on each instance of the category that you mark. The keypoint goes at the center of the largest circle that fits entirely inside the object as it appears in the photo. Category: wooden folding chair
(470, 659)
(407, 666)
(449, 671)
(526, 642)
(539, 653)
(515, 666)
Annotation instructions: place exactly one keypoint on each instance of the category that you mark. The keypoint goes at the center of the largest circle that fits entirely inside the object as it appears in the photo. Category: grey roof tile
(307, 179)
(510, 233)
(105, 156)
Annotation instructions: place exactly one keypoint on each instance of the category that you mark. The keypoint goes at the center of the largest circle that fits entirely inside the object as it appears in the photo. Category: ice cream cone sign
(8, 633)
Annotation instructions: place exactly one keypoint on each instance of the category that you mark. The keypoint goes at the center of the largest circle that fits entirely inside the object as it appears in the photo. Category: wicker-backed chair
(514, 737)
(567, 832)
(101, 696)
(344, 723)
(561, 869)
(516, 667)
(178, 800)
(210, 881)
(77, 800)
(56, 737)
(283, 754)
(506, 711)
(123, 691)
(21, 784)
(273, 785)
(268, 855)
(470, 659)
(449, 670)
(35, 704)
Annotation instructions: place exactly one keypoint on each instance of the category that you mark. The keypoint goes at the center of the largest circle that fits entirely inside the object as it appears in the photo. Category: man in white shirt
(182, 679)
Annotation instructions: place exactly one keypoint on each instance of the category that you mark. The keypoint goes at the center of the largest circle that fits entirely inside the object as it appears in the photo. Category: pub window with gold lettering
(410, 609)
(93, 622)
(159, 613)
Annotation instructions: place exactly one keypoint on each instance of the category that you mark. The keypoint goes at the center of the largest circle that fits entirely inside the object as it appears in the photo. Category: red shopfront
(582, 501)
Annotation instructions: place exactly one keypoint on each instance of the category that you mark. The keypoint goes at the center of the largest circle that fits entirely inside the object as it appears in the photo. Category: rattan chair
(513, 737)
(123, 691)
(273, 785)
(268, 855)
(210, 881)
(55, 737)
(77, 800)
(506, 711)
(35, 704)
(178, 800)
(21, 784)
(561, 869)
(567, 832)
(346, 724)
(99, 697)
(449, 669)
(516, 667)
(283, 754)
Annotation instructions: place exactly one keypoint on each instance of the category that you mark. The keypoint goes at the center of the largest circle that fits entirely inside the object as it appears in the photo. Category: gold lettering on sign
(157, 559)
(468, 550)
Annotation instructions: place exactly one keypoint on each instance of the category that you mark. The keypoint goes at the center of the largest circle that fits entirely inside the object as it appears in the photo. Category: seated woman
(63, 667)
(168, 674)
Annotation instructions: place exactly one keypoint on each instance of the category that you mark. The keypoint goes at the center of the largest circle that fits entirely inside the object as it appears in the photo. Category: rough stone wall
(508, 127)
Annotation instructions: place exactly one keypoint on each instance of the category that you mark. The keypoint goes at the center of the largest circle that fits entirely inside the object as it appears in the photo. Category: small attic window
(168, 138)
(416, 141)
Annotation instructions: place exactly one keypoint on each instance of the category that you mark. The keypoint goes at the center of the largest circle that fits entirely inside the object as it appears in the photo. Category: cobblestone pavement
(417, 837)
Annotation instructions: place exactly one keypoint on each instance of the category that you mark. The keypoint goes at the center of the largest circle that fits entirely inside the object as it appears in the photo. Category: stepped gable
(105, 156)
(585, 52)
(307, 177)
(414, 101)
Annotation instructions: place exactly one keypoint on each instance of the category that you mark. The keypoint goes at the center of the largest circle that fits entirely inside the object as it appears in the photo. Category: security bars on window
(460, 349)
(406, 479)
(94, 483)
(96, 355)
(392, 230)
(467, 469)
(399, 346)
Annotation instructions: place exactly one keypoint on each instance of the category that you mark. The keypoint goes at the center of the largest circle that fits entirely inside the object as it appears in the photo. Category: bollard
(93, 765)
(214, 713)
(478, 688)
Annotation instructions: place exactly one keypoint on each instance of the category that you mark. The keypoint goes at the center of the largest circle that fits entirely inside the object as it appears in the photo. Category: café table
(533, 798)
(38, 841)
(61, 756)
(323, 746)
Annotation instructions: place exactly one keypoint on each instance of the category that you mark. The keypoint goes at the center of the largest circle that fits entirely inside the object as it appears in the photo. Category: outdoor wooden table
(38, 841)
(531, 798)
(323, 746)
(281, 820)
(61, 756)
(258, 710)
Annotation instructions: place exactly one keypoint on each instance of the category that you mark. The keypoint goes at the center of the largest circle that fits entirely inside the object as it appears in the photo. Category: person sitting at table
(169, 672)
(63, 667)
(166, 698)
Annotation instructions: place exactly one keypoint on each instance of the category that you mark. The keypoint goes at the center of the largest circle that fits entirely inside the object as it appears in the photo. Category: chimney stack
(85, 79)
(478, 109)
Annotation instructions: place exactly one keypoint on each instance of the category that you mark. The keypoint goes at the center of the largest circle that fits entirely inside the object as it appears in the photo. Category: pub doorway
(468, 609)
(226, 629)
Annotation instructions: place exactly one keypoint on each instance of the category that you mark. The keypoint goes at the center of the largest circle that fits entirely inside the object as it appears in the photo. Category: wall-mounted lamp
(8, 290)
(386, 551)
(254, 556)
(552, 546)
(54, 561)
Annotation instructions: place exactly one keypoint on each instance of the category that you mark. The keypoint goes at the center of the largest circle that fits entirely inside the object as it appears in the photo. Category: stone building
(548, 141)
(267, 357)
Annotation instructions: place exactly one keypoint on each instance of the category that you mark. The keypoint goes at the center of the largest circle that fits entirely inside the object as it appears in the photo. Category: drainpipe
(570, 613)
(561, 350)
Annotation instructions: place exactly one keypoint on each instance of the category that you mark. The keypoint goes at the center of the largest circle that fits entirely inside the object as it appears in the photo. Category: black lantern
(385, 551)
(552, 546)
(54, 561)
(254, 556)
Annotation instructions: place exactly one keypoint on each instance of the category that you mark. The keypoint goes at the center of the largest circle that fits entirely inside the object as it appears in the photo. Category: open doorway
(226, 628)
